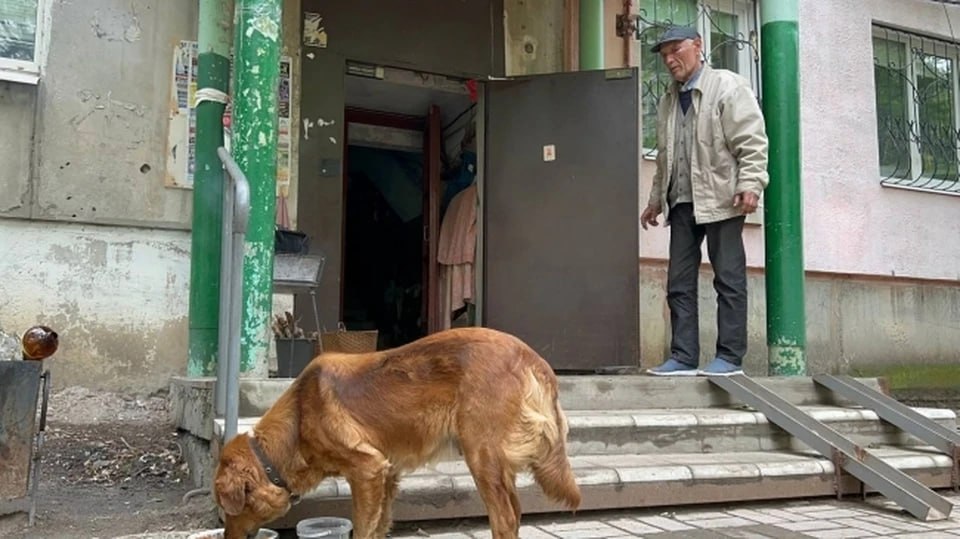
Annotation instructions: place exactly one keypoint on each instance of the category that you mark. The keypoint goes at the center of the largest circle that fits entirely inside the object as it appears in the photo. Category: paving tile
(581, 530)
(762, 531)
(927, 535)
(534, 532)
(833, 513)
(665, 524)
(843, 533)
(785, 515)
(699, 515)
(865, 524)
(805, 508)
(896, 523)
(633, 526)
(809, 525)
(756, 516)
(951, 524)
(716, 523)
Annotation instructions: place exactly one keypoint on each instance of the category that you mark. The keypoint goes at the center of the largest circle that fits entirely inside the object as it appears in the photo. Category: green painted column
(214, 37)
(591, 34)
(783, 203)
(254, 147)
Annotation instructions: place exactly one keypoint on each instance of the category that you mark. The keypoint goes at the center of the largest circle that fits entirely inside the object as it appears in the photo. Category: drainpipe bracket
(627, 26)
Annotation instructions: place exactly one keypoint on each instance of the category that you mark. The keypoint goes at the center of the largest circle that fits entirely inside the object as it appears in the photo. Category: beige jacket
(730, 151)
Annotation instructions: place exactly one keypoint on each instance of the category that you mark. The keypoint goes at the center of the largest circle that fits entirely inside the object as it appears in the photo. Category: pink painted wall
(852, 223)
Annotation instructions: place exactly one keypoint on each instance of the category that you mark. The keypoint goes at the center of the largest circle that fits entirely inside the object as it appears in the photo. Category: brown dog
(373, 417)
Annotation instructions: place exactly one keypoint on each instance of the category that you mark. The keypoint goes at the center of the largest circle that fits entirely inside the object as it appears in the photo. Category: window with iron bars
(918, 112)
(730, 41)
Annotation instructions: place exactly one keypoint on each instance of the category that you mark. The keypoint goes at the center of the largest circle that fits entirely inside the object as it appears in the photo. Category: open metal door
(561, 215)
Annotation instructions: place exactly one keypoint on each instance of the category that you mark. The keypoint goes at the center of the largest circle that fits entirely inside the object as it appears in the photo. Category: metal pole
(783, 204)
(591, 34)
(238, 214)
(227, 272)
(213, 75)
(254, 144)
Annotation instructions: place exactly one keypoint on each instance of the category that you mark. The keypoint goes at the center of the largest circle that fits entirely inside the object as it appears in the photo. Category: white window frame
(916, 175)
(745, 13)
(25, 72)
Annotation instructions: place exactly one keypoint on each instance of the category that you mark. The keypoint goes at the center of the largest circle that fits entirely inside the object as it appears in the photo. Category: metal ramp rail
(236, 215)
(899, 415)
(922, 502)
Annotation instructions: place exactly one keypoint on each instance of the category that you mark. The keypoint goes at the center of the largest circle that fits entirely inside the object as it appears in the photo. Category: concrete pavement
(822, 518)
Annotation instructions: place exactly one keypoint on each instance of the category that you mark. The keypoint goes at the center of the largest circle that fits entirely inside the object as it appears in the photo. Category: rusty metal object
(39, 343)
(839, 460)
(22, 384)
(955, 471)
(19, 390)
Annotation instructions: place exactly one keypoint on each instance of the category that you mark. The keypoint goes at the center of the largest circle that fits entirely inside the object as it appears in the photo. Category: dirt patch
(112, 465)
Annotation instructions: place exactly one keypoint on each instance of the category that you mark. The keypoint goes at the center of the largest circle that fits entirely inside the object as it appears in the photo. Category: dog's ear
(231, 489)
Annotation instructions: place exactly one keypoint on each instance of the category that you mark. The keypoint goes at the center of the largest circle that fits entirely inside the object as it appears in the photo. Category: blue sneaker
(672, 367)
(721, 367)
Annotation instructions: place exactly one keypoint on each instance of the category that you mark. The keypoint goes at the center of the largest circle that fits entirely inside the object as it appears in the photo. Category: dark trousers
(725, 248)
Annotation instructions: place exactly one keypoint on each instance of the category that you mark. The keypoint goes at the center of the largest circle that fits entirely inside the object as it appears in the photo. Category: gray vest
(681, 190)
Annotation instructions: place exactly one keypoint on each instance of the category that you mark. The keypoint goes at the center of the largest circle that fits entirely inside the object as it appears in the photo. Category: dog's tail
(552, 469)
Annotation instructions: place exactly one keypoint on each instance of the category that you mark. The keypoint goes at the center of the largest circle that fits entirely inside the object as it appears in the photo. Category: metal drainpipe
(254, 147)
(783, 203)
(591, 34)
(628, 39)
(213, 75)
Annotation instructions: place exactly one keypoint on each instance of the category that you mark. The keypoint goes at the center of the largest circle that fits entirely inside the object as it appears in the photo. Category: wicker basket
(351, 342)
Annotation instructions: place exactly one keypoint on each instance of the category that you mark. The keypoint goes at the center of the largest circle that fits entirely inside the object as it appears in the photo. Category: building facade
(95, 213)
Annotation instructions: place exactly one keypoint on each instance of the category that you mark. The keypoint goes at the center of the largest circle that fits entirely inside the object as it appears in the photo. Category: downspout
(591, 34)
(628, 38)
(214, 37)
(254, 146)
(783, 202)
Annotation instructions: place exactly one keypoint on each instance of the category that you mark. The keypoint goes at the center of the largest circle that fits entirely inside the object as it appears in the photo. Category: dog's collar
(272, 472)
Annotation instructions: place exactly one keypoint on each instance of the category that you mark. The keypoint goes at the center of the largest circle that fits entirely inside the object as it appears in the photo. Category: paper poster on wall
(283, 126)
(314, 33)
(181, 138)
(181, 145)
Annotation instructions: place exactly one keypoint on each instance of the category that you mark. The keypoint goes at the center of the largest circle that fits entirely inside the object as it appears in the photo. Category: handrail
(236, 215)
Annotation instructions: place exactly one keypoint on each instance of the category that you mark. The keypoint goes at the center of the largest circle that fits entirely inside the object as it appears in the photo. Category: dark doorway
(383, 266)
(397, 173)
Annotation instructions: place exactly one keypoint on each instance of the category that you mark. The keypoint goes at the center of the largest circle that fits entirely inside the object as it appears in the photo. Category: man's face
(682, 58)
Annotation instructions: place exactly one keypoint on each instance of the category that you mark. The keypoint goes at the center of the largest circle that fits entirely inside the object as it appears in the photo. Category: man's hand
(746, 201)
(649, 216)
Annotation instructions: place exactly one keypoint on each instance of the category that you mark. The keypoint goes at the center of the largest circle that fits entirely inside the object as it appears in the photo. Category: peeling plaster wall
(100, 246)
(17, 109)
(117, 296)
(102, 128)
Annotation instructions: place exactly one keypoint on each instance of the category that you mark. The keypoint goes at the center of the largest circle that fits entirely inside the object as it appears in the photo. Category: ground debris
(114, 454)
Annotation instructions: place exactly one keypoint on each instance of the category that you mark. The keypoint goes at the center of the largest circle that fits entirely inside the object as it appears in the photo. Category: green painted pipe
(213, 71)
(783, 203)
(591, 34)
(254, 147)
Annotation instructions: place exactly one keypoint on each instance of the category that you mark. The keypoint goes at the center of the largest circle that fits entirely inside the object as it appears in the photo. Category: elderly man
(711, 170)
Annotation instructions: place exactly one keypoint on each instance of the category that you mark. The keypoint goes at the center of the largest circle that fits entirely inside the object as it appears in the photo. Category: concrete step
(710, 430)
(622, 481)
(587, 392)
